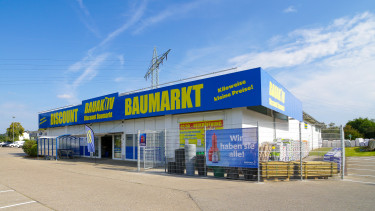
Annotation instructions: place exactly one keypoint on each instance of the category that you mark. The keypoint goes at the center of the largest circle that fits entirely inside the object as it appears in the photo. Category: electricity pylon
(154, 67)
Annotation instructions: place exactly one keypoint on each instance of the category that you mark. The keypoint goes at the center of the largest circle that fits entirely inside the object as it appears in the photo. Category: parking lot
(361, 170)
(79, 184)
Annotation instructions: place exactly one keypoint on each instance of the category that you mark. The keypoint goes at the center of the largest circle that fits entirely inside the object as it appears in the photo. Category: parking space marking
(13, 205)
(358, 158)
(361, 175)
(361, 169)
(363, 165)
(4, 191)
(357, 161)
(349, 180)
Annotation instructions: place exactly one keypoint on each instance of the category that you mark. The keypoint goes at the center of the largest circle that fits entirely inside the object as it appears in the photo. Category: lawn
(356, 152)
(320, 152)
(349, 152)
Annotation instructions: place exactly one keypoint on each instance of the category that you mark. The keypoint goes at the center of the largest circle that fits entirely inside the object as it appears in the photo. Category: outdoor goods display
(292, 169)
(171, 167)
(190, 152)
(180, 161)
(200, 163)
(334, 155)
(289, 150)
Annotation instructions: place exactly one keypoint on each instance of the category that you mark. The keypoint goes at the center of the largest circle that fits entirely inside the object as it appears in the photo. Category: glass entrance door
(129, 147)
(117, 149)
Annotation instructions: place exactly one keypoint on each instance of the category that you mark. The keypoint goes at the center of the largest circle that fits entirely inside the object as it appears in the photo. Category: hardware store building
(243, 99)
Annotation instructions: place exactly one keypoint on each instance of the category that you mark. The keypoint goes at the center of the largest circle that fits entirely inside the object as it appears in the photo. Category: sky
(58, 53)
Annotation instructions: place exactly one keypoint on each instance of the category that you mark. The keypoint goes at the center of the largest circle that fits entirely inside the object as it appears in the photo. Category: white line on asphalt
(363, 165)
(13, 205)
(361, 158)
(349, 180)
(361, 169)
(361, 175)
(4, 191)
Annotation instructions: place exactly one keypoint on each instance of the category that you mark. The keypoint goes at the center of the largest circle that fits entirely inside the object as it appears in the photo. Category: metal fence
(258, 152)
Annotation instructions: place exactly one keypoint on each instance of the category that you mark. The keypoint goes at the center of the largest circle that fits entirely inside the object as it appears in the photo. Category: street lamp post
(13, 128)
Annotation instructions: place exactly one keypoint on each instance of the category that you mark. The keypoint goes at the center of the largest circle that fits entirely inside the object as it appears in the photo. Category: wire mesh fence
(254, 152)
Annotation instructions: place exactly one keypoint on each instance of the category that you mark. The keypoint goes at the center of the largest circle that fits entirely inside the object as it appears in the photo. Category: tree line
(356, 128)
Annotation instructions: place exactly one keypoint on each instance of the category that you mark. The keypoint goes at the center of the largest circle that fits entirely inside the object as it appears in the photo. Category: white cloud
(90, 69)
(133, 19)
(290, 9)
(119, 79)
(121, 59)
(167, 13)
(86, 18)
(65, 96)
(83, 7)
(87, 68)
(330, 68)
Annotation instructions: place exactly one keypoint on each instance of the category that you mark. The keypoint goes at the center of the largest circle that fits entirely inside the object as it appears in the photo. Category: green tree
(364, 126)
(3, 138)
(348, 130)
(18, 131)
(332, 126)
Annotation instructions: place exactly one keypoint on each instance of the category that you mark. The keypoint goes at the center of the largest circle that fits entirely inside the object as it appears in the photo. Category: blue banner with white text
(232, 147)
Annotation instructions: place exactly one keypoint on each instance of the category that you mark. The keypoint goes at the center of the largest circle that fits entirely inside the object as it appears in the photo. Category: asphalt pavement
(361, 170)
(82, 184)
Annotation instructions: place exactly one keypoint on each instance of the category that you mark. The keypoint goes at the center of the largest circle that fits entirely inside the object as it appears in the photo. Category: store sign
(232, 148)
(276, 97)
(99, 109)
(142, 140)
(251, 87)
(193, 132)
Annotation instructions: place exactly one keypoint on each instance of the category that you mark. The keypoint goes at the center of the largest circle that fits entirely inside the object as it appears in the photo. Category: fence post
(342, 152)
(57, 148)
(258, 173)
(139, 152)
(165, 150)
(300, 151)
(205, 151)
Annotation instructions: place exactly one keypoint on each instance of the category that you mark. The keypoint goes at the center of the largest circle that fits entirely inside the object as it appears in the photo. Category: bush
(30, 148)
(34, 150)
(371, 144)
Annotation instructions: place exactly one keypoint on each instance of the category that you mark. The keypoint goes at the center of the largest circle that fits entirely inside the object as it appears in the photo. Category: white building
(245, 99)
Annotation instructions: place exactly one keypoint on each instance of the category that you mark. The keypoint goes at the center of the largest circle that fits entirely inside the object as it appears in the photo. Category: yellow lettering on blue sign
(64, 117)
(167, 100)
(277, 92)
(99, 105)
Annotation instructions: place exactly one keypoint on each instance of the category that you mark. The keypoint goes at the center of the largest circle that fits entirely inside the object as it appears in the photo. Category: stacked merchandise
(171, 167)
(305, 148)
(319, 169)
(200, 163)
(288, 150)
(276, 169)
(190, 152)
(292, 169)
(180, 161)
(264, 152)
(334, 156)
